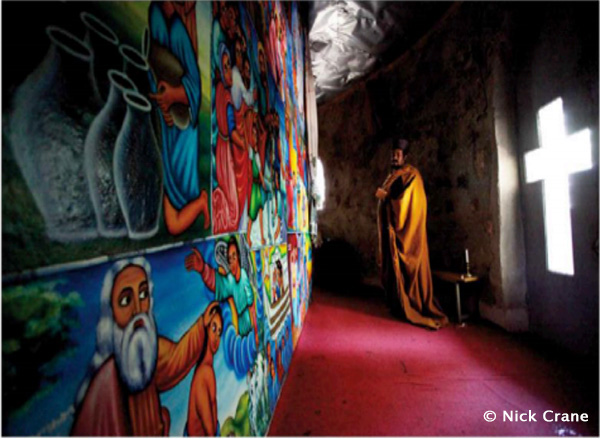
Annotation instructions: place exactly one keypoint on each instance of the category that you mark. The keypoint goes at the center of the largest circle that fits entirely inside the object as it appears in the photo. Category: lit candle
(467, 255)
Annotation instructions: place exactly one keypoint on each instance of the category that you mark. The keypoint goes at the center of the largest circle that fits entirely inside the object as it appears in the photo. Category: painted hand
(194, 261)
(165, 98)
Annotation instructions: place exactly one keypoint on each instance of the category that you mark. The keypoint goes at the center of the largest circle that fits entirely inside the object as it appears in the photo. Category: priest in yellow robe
(403, 251)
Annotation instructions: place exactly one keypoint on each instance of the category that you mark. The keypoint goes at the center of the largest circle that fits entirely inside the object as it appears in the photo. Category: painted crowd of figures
(259, 155)
(195, 124)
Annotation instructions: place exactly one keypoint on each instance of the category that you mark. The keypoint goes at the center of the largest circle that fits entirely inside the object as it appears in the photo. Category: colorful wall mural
(156, 255)
(300, 257)
(272, 269)
(108, 137)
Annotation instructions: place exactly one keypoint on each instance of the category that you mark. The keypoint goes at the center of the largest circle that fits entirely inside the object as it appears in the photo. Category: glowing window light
(320, 185)
(558, 156)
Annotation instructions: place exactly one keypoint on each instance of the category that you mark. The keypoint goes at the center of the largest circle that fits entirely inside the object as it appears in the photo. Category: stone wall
(439, 96)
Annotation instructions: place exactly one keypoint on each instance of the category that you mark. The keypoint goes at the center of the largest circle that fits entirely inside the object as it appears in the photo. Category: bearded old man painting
(132, 364)
(403, 251)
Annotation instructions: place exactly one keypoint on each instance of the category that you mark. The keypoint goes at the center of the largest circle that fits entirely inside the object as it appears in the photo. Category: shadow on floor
(362, 298)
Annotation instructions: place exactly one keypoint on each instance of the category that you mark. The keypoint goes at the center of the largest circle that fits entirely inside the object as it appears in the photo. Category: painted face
(398, 157)
(233, 258)
(261, 61)
(271, 366)
(224, 17)
(247, 73)
(227, 70)
(214, 332)
(243, 43)
(238, 54)
(230, 25)
(130, 295)
(288, 123)
(255, 130)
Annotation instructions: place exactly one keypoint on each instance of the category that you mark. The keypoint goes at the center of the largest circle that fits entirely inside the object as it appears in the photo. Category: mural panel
(248, 193)
(300, 262)
(272, 266)
(296, 175)
(106, 141)
(169, 343)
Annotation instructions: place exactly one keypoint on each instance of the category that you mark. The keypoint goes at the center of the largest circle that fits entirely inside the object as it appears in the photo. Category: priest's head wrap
(401, 144)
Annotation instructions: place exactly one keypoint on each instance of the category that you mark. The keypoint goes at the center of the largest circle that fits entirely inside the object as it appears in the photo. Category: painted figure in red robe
(226, 204)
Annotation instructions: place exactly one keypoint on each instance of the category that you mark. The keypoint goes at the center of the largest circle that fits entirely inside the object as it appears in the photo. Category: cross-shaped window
(558, 156)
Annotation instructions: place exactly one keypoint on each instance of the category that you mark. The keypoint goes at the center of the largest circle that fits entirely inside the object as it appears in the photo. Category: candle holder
(468, 269)
(467, 266)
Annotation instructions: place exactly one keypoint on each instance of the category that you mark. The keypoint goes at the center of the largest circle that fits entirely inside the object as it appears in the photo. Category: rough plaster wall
(438, 95)
(512, 247)
(353, 164)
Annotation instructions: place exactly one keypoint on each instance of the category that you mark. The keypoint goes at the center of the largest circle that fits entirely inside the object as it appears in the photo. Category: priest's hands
(381, 194)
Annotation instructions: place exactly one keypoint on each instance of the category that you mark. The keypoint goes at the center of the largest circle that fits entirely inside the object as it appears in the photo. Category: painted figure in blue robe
(240, 319)
(231, 285)
(176, 87)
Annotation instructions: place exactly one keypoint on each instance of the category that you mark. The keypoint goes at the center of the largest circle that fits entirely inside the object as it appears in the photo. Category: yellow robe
(404, 255)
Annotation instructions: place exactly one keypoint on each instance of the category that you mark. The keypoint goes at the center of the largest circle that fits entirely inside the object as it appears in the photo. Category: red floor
(359, 372)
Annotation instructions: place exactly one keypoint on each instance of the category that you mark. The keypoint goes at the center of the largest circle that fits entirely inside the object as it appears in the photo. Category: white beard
(136, 352)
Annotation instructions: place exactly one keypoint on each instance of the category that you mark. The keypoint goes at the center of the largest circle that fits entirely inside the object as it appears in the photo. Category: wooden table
(457, 279)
